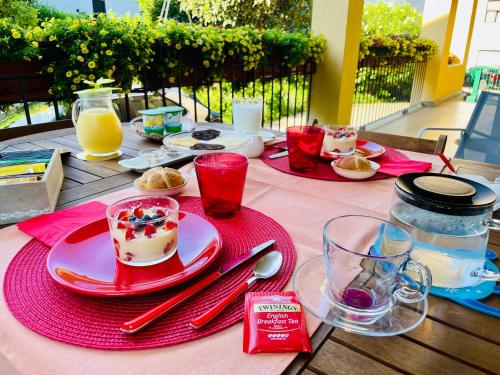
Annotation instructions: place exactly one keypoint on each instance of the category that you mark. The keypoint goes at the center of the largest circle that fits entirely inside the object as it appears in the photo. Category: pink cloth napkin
(397, 167)
(50, 228)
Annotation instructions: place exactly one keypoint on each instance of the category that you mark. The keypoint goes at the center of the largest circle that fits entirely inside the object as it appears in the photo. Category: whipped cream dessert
(341, 140)
(145, 236)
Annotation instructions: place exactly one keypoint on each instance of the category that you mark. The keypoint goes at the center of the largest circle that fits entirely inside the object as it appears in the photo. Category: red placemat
(48, 309)
(325, 170)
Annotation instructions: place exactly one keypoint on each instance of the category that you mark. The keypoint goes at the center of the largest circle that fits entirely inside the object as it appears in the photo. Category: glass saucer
(309, 283)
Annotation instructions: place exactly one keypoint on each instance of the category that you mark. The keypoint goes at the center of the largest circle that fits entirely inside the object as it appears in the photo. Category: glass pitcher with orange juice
(98, 128)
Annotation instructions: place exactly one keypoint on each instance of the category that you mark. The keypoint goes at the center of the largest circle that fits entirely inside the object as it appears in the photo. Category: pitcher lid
(445, 194)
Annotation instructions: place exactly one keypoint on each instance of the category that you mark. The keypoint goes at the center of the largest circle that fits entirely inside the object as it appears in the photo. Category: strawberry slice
(170, 225)
(182, 215)
(122, 225)
(138, 212)
(149, 230)
(160, 212)
(130, 234)
(124, 215)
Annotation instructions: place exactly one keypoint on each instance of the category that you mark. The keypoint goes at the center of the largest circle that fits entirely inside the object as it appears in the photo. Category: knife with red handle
(157, 312)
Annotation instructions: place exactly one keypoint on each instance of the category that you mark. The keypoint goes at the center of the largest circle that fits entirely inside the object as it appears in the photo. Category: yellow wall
(442, 80)
(333, 84)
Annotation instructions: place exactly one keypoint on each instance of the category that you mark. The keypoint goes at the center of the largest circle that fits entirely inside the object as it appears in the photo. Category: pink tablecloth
(301, 205)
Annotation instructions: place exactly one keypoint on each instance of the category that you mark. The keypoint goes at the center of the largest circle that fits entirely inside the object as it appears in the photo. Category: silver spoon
(266, 267)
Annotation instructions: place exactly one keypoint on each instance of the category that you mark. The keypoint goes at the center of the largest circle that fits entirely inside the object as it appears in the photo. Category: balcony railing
(386, 87)
(285, 92)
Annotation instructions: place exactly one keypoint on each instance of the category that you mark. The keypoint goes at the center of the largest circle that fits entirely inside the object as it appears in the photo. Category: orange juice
(99, 131)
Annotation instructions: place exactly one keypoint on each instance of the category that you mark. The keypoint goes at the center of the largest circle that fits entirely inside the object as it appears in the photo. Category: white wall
(485, 43)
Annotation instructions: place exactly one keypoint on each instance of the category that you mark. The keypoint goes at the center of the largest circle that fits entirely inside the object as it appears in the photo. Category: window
(492, 11)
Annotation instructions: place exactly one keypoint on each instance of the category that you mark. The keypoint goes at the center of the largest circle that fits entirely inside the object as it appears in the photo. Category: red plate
(368, 149)
(84, 261)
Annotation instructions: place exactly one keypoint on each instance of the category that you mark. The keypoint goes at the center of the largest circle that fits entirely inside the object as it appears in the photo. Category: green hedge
(83, 47)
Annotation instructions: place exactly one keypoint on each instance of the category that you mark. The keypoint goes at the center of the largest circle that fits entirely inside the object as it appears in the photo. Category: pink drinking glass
(304, 146)
(221, 179)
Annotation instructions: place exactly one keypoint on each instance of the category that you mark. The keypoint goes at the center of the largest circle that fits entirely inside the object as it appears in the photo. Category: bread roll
(160, 178)
(354, 163)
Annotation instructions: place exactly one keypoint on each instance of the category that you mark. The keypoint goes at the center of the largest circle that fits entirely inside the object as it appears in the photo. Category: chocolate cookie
(207, 146)
(206, 135)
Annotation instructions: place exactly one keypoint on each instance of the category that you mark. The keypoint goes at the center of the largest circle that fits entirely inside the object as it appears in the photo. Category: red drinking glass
(304, 146)
(221, 179)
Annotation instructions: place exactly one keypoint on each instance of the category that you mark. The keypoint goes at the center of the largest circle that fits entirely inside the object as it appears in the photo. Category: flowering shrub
(17, 43)
(80, 48)
(416, 49)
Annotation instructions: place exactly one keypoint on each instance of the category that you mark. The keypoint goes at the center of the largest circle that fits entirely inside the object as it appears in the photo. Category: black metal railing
(386, 87)
(285, 92)
(25, 88)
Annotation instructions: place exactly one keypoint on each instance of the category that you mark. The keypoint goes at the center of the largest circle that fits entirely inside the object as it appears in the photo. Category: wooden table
(451, 340)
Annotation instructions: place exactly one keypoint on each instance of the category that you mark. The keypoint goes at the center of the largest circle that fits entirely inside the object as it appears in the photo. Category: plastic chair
(480, 140)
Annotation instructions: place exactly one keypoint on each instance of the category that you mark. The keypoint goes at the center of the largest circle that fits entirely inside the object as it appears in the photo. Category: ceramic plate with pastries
(161, 181)
(201, 141)
(355, 167)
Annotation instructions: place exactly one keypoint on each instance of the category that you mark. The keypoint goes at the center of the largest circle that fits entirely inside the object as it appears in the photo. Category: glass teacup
(368, 266)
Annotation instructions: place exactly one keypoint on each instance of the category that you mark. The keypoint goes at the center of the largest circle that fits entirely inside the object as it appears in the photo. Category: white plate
(140, 165)
(267, 136)
(356, 175)
(223, 133)
(163, 192)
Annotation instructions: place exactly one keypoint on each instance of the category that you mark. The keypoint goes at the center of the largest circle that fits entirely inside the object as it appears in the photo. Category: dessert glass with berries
(340, 140)
(144, 229)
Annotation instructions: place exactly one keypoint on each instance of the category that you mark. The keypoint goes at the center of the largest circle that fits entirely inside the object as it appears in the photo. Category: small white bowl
(356, 175)
(163, 192)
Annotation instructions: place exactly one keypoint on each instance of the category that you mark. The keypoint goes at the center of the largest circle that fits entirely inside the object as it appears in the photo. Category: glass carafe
(98, 128)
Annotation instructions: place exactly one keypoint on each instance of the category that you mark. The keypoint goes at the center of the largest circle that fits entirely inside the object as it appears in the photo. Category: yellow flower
(16, 34)
(103, 32)
(206, 63)
(119, 41)
(83, 46)
(171, 79)
(29, 35)
(73, 87)
(114, 68)
(91, 65)
(69, 74)
(187, 42)
(91, 77)
(50, 69)
(131, 67)
(108, 52)
(231, 52)
(34, 44)
(171, 65)
(104, 44)
(76, 80)
(178, 46)
(52, 38)
(85, 51)
(110, 73)
(80, 58)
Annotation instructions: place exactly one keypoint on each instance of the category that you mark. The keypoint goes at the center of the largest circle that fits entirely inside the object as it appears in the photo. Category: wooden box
(21, 201)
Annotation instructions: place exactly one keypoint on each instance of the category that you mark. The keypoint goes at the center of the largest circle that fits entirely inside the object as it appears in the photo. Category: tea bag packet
(274, 323)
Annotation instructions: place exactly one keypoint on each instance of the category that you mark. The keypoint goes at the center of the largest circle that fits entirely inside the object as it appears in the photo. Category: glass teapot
(98, 128)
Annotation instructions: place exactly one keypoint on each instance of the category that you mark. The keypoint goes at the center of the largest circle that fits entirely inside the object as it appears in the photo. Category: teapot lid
(445, 194)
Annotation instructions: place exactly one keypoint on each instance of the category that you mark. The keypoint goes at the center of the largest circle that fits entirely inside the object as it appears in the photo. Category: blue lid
(153, 111)
(173, 108)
